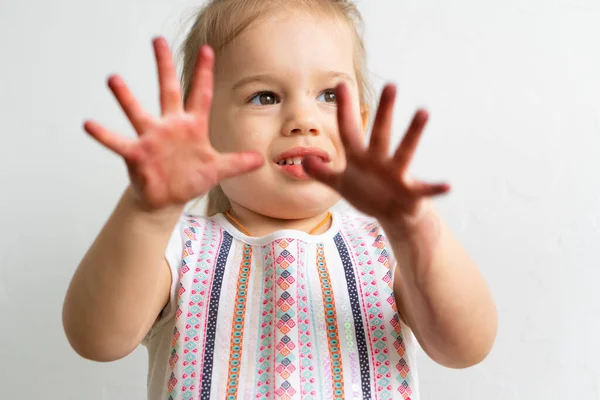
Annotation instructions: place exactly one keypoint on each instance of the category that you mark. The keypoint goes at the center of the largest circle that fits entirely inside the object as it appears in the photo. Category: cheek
(340, 162)
(230, 133)
(217, 131)
(340, 153)
(248, 136)
(253, 137)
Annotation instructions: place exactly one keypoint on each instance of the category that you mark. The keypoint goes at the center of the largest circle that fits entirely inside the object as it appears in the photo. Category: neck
(260, 225)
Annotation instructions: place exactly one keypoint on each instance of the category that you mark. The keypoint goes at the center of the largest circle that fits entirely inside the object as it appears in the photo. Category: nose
(301, 119)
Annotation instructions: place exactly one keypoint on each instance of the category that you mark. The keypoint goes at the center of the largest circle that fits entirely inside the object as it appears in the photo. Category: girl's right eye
(264, 99)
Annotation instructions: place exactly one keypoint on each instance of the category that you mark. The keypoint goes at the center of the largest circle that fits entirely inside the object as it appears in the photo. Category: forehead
(290, 44)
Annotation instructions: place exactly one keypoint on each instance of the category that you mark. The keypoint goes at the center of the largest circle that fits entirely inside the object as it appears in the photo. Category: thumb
(234, 164)
(316, 168)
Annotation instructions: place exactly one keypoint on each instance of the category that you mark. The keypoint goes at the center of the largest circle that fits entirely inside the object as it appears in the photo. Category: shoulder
(363, 225)
(194, 220)
(189, 225)
(366, 232)
(187, 234)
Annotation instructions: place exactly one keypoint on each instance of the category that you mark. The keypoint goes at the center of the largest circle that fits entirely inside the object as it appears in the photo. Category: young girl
(273, 295)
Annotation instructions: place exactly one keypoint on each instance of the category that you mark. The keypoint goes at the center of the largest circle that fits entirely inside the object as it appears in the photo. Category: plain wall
(513, 88)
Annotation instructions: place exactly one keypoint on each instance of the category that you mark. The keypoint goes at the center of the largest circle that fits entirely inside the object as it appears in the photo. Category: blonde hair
(220, 21)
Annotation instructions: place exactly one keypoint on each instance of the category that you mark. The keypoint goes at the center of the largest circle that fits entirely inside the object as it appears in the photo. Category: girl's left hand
(373, 182)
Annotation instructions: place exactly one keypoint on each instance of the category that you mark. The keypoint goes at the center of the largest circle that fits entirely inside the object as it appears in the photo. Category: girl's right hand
(172, 161)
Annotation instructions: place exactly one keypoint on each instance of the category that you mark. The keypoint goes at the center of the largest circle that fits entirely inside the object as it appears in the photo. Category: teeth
(291, 161)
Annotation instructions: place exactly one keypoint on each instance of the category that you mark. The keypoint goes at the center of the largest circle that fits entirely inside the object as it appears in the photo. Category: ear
(365, 119)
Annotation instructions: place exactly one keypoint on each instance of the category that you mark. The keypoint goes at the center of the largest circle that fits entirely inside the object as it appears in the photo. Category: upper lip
(302, 152)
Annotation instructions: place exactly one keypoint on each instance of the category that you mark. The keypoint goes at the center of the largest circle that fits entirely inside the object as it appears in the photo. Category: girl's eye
(264, 99)
(329, 96)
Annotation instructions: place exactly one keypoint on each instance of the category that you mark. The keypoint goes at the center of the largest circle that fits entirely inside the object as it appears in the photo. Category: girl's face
(273, 93)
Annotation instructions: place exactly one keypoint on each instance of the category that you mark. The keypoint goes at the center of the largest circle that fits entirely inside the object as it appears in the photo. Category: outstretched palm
(374, 182)
(172, 161)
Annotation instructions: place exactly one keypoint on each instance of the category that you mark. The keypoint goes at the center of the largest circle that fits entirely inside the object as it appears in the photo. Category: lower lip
(295, 171)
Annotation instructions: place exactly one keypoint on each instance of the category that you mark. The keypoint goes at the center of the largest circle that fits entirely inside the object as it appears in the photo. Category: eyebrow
(269, 78)
(252, 79)
(335, 74)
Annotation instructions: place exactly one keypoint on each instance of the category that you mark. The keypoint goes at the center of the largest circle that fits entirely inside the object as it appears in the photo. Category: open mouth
(295, 155)
(290, 161)
(295, 161)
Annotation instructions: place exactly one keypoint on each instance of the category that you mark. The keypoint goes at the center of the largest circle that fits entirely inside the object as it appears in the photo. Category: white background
(513, 87)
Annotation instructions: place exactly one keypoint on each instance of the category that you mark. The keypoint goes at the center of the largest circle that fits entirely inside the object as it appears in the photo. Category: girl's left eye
(328, 96)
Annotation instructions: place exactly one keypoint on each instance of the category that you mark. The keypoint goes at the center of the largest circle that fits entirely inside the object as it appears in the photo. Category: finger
(382, 127)
(350, 132)
(200, 98)
(319, 170)
(134, 111)
(234, 164)
(170, 91)
(116, 143)
(407, 147)
(422, 189)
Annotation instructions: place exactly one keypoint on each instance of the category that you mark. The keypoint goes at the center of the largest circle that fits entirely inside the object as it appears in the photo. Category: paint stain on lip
(295, 171)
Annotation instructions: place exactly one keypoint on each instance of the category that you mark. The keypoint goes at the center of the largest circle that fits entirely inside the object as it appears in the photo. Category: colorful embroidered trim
(286, 315)
(332, 331)
(266, 327)
(237, 329)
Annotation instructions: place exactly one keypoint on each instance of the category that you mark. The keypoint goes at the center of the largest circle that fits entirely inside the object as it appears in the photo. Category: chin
(278, 196)
(297, 205)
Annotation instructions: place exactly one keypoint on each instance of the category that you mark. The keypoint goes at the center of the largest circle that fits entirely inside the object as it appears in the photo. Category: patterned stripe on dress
(371, 300)
(361, 343)
(267, 317)
(185, 367)
(332, 330)
(224, 322)
(222, 347)
(318, 334)
(355, 338)
(252, 331)
(322, 338)
(403, 376)
(305, 342)
(212, 316)
(372, 228)
(286, 352)
(237, 328)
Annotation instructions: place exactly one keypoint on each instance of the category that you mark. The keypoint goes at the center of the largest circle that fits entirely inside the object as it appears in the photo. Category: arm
(122, 283)
(441, 294)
